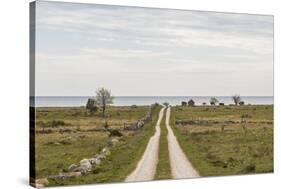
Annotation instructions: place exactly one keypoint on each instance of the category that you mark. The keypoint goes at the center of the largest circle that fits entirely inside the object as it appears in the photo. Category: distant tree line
(214, 101)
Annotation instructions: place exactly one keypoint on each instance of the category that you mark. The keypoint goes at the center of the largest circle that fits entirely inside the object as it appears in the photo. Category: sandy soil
(146, 167)
(180, 165)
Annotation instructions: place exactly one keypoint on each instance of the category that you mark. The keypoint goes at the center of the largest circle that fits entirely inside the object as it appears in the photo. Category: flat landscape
(226, 140)
(64, 136)
(178, 142)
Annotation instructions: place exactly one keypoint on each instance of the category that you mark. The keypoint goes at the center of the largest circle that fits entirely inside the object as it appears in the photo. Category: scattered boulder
(85, 166)
(105, 151)
(74, 174)
(72, 167)
(39, 186)
(112, 141)
(39, 183)
(95, 161)
(100, 156)
(63, 176)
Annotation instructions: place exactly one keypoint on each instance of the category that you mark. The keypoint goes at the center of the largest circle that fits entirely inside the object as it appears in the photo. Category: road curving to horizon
(146, 167)
(180, 165)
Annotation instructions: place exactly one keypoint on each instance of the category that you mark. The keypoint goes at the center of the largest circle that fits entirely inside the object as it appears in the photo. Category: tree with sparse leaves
(236, 98)
(104, 98)
(213, 101)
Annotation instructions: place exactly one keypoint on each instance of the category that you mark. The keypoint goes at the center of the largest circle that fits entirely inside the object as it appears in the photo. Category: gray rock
(112, 142)
(39, 186)
(100, 156)
(105, 151)
(63, 176)
(74, 174)
(95, 161)
(72, 167)
(85, 165)
(39, 183)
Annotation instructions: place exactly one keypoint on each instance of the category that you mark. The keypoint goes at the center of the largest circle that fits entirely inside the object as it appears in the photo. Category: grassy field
(68, 135)
(163, 167)
(217, 143)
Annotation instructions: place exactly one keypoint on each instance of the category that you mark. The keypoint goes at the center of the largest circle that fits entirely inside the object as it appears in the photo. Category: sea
(77, 101)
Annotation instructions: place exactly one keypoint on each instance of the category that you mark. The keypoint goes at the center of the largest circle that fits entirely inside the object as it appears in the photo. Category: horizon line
(156, 96)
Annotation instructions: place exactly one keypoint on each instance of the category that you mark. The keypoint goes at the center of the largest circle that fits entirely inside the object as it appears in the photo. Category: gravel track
(146, 167)
(180, 165)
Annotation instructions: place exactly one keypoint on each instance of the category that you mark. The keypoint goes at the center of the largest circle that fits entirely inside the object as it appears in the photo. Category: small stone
(85, 165)
(95, 161)
(43, 181)
(74, 174)
(100, 156)
(113, 142)
(105, 151)
(39, 186)
(72, 167)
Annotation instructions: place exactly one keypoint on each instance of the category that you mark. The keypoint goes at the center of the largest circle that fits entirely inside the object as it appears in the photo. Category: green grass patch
(56, 151)
(163, 170)
(214, 151)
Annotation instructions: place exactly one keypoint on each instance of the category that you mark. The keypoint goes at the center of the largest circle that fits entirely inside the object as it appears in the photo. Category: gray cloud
(115, 39)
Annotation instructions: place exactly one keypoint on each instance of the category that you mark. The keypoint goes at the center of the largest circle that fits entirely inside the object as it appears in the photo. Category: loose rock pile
(84, 166)
(140, 123)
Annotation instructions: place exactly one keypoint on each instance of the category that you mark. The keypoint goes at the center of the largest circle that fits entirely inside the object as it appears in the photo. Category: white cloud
(114, 39)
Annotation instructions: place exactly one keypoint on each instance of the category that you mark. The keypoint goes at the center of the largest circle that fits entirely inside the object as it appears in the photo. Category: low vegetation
(226, 140)
(79, 134)
(163, 168)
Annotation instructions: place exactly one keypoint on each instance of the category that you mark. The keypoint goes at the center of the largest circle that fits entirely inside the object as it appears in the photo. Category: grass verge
(122, 161)
(163, 170)
(217, 152)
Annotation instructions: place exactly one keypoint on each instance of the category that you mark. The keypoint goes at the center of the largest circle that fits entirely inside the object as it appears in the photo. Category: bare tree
(236, 98)
(104, 98)
(213, 101)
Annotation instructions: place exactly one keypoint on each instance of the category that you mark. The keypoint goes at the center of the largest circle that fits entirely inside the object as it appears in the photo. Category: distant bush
(106, 126)
(53, 123)
(134, 106)
(92, 105)
(115, 132)
(251, 168)
(166, 104)
(57, 123)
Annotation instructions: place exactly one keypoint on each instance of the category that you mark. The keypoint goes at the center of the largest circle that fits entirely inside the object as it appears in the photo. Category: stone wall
(140, 123)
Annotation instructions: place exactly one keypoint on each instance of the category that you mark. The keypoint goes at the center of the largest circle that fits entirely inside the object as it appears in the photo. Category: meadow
(66, 135)
(226, 140)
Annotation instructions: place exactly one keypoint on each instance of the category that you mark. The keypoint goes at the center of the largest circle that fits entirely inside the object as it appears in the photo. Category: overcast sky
(151, 52)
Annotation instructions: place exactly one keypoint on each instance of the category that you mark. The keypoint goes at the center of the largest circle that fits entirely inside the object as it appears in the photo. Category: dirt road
(180, 165)
(146, 167)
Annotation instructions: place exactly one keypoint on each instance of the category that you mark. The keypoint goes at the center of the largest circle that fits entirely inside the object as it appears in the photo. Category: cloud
(83, 40)
(157, 27)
